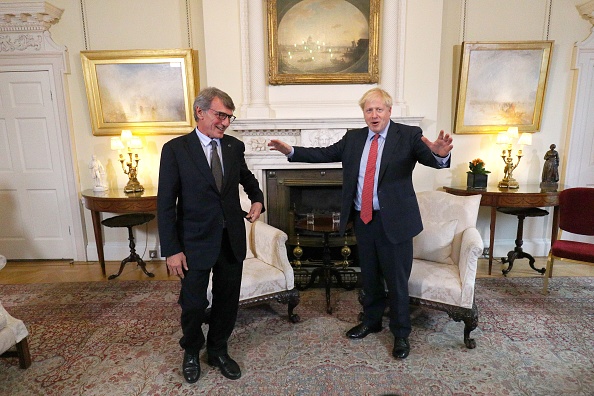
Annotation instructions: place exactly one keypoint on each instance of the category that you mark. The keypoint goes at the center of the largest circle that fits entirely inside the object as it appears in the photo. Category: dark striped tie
(215, 165)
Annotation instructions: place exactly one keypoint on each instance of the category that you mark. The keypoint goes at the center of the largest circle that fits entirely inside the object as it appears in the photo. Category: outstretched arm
(441, 146)
(280, 146)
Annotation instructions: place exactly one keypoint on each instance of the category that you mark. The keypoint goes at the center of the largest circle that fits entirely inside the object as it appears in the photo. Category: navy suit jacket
(403, 148)
(191, 211)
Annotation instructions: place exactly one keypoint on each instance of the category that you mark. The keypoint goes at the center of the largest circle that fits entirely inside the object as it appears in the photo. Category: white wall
(433, 29)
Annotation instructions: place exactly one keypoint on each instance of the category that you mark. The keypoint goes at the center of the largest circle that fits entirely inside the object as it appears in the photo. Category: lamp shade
(135, 143)
(525, 139)
(126, 135)
(116, 144)
(503, 138)
(512, 132)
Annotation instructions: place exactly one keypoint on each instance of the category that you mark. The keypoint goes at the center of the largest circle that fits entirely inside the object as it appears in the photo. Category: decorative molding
(25, 27)
(28, 17)
(586, 10)
(22, 42)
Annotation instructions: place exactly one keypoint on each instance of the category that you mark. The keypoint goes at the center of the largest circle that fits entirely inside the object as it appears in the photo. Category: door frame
(55, 62)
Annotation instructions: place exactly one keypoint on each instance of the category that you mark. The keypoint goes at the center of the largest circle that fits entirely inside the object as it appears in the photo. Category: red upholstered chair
(576, 215)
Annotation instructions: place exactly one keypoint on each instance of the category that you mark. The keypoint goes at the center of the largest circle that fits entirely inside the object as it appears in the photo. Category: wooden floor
(63, 271)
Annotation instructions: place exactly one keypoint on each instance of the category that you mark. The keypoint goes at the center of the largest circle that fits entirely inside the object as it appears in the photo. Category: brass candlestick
(508, 180)
(132, 165)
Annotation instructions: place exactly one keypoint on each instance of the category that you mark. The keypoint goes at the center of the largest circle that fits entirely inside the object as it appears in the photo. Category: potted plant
(476, 177)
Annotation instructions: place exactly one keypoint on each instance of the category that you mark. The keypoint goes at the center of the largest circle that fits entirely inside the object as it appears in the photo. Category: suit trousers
(382, 261)
(226, 285)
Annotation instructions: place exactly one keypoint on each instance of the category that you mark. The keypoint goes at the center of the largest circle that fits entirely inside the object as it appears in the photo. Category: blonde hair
(374, 92)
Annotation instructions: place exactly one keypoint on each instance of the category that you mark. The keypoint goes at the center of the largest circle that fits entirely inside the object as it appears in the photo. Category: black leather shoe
(191, 368)
(401, 348)
(229, 367)
(361, 331)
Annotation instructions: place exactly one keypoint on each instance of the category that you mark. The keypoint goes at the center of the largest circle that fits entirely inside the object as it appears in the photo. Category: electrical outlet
(152, 254)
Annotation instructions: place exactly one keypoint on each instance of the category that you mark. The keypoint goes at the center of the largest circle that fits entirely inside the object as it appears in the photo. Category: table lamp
(131, 143)
(507, 138)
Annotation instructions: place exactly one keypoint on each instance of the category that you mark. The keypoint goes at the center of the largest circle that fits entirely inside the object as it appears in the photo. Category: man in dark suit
(201, 227)
(378, 197)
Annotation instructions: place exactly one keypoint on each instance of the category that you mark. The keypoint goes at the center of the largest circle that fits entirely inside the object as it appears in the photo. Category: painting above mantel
(305, 45)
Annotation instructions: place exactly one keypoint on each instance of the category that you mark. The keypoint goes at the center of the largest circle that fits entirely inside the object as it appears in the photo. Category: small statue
(98, 174)
(550, 169)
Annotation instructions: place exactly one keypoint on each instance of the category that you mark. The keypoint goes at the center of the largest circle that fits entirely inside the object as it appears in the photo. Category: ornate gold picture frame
(323, 42)
(146, 91)
(502, 85)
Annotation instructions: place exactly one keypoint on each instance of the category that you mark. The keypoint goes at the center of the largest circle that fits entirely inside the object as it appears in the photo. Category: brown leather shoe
(229, 367)
(191, 368)
(401, 348)
(362, 330)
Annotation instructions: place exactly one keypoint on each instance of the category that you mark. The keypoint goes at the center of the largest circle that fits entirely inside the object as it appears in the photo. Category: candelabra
(507, 138)
(131, 166)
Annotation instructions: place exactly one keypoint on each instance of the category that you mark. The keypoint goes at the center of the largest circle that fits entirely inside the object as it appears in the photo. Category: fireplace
(292, 193)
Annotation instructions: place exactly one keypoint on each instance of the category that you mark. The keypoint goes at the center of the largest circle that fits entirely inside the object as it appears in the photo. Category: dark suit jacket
(191, 211)
(403, 148)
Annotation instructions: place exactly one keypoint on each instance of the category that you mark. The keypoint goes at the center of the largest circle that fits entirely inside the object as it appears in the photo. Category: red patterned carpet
(120, 338)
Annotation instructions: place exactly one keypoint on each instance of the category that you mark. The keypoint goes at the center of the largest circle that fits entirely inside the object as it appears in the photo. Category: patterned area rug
(121, 338)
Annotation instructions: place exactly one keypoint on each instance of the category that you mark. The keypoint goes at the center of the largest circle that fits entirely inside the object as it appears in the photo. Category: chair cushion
(436, 282)
(257, 279)
(573, 250)
(465, 209)
(434, 243)
(260, 278)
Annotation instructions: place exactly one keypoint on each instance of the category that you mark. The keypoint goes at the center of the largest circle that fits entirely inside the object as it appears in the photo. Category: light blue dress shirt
(207, 148)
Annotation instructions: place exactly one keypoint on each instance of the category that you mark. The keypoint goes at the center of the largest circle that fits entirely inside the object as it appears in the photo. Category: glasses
(223, 116)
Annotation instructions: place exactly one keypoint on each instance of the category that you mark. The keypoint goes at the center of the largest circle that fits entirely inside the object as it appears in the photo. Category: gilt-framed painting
(145, 91)
(502, 85)
(323, 41)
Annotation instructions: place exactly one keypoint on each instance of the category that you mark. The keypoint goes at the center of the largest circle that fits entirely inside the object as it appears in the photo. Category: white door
(34, 217)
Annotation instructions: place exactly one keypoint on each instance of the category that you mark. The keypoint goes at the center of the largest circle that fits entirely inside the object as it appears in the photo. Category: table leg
(492, 236)
(554, 231)
(96, 217)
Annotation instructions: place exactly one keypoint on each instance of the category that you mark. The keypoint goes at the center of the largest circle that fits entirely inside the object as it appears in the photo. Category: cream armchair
(267, 273)
(445, 255)
(13, 333)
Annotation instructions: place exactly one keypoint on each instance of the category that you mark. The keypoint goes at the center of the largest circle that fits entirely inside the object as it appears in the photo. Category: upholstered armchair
(445, 255)
(267, 273)
(13, 335)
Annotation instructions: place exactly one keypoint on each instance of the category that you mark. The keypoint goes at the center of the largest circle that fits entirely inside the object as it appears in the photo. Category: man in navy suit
(387, 220)
(202, 230)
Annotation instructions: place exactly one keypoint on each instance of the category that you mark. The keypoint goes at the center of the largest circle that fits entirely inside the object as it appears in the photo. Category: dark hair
(207, 95)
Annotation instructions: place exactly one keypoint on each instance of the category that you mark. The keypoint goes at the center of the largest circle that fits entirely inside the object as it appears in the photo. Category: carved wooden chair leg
(293, 302)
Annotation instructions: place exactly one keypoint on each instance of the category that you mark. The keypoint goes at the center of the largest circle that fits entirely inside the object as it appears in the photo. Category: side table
(324, 226)
(115, 201)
